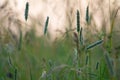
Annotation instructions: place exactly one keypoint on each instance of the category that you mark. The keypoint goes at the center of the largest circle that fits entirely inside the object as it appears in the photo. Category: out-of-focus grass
(38, 55)
(34, 54)
(72, 57)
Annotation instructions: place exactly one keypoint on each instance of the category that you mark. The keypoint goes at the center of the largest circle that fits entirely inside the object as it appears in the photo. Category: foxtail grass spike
(78, 21)
(94, 44)
(46, 25)
(26, 11)
(87, 14)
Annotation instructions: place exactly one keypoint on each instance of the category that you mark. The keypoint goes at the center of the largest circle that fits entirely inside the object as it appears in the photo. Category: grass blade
(20, 41)
(31, 75)
(109, 64)
(15, 74)
(86, 60)
(81, 36)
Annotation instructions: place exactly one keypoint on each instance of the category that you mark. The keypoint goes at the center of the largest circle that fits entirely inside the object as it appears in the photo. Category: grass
(71, 58)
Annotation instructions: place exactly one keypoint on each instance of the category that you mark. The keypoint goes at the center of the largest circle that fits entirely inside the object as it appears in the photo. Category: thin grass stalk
(109, 64)
(81, 37)
(111, 30)
(31, 75)
(76, 39)
(15, 74)
(20, 41)
(86, 60)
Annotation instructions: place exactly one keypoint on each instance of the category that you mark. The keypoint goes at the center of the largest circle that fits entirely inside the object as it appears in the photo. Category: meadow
(74, 56)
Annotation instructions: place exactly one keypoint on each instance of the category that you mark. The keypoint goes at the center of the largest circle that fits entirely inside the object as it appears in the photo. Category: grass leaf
(20, 41)
(109, 64)
(81, 36)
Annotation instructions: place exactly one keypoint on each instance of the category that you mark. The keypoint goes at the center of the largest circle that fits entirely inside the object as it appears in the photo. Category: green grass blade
(31, 75)
(46, 25)
(81, 36)
(109, 64)
(15, 74)
(20, 41)
(86, 60)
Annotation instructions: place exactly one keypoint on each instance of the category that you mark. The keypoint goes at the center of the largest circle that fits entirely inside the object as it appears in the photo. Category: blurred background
(62, 15)
(34, 50)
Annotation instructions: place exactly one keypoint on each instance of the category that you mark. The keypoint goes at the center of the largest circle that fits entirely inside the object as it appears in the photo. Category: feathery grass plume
(97, 65)
(94, 44)
(78, 21)
(15, 74)
(109, 63)
(20, 41)
(87, 14)
(46, 25)
(26, 11)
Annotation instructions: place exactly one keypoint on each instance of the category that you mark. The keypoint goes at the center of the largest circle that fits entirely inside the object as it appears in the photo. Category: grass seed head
(94, 44)
(26, 11)
(78, 21)
(87, 14)
(46, 25)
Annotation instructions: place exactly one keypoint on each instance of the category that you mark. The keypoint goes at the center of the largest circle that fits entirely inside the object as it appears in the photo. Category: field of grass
(72, 57)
